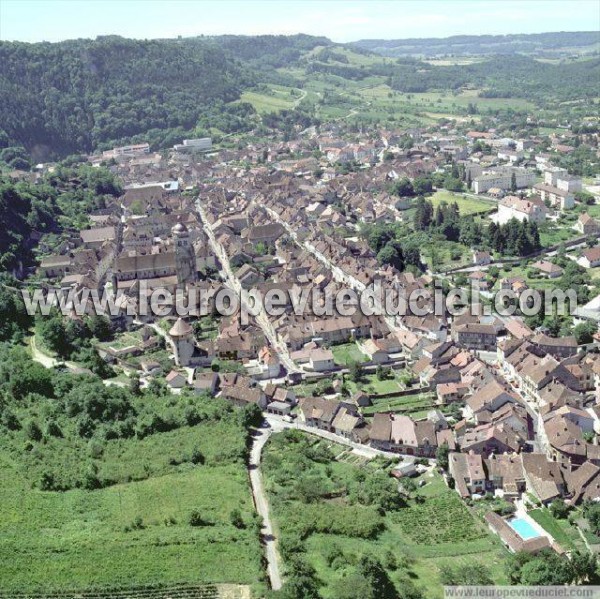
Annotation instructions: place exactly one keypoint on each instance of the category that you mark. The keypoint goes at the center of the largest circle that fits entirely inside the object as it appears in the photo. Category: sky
(341, 20)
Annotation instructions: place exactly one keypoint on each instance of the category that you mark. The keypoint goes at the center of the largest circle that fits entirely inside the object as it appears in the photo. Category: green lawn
(373, 386)
(416, 408)
(440, 254)
(564, 533)
(347, 353)
(415, 542)
(443, 254)
(304, 389)
(408, 404)
(555, 236)
(519, 270)
(593, 210)
(466, 205)
(123, 340)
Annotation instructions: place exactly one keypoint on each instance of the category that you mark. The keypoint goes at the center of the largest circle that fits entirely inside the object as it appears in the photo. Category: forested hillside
(61, 201)
(77, 95)
(270, 50)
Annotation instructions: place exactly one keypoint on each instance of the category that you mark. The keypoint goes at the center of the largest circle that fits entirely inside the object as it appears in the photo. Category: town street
(278, 424)
(262, 318)
(338, 274)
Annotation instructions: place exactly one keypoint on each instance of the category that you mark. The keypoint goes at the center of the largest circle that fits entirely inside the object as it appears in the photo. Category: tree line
(514, 238)
(46, 413)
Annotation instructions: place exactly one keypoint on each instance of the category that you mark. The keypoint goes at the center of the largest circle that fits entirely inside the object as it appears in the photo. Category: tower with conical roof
(185, 258)
(181, 336)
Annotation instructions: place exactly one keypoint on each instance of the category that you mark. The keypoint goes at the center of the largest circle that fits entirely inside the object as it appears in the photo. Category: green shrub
(236, 518)
(195, 519)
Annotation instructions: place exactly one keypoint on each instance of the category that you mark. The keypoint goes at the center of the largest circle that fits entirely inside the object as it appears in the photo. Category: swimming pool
(523, 528)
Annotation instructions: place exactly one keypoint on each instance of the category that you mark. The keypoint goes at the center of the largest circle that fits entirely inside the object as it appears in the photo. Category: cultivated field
(413, 542)
(130, 533)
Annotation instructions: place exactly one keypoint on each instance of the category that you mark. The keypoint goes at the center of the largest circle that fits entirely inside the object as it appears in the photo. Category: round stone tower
(181, 336)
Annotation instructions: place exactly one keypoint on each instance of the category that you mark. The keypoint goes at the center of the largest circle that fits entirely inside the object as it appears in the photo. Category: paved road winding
(262, 507)
(261, 436)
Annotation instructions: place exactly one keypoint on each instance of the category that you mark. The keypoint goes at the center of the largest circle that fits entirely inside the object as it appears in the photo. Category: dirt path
(45, 360)
(297, 102)
(50, 362)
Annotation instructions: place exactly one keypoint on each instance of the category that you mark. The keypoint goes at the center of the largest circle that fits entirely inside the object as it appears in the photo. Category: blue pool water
(523, 528)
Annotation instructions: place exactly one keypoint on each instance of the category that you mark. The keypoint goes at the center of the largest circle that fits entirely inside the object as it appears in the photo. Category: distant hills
(86, 95)
(547, 45)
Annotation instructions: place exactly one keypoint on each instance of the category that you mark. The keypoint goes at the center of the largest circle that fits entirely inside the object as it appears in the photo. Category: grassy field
(466, 205)
(522, 270)
(367, 98)
(135, 530)
(273, 98)
(462, 60)
(441, 254)
(346, 353)
(77, 539)
(593, 210)
(437, 104)
(409, 404)
(372, 385)
(267, 102)
(553, 236)
(415, 541)
(353, 58)
(304, 389)
(519, 270)
(370, 99)
(123, 340)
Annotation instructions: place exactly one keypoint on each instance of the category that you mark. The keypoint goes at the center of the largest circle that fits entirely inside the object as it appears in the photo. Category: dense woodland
(77, 95)
(272, 50)
(54, 413)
